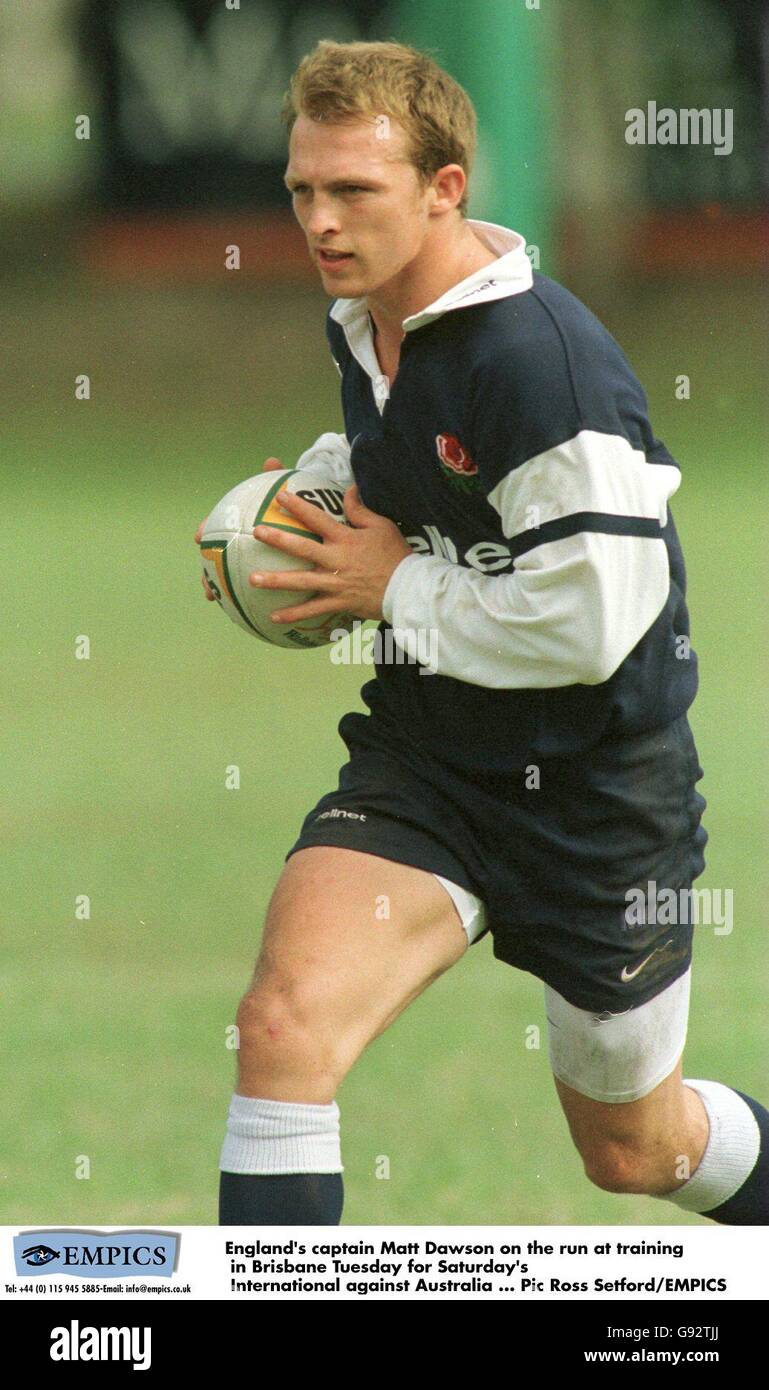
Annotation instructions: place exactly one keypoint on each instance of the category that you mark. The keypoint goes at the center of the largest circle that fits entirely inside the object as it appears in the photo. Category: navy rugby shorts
(584, 877)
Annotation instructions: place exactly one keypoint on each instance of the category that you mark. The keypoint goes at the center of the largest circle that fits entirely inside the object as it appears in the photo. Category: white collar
(510, 274)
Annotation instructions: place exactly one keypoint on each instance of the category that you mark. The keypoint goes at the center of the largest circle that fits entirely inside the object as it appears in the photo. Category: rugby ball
(230, 553)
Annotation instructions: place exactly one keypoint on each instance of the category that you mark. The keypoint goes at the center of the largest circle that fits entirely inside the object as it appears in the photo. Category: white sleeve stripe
(569, 615)
(592, 472)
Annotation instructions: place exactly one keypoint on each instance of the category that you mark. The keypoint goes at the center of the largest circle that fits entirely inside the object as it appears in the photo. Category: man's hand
(353, 564)
(270, 465)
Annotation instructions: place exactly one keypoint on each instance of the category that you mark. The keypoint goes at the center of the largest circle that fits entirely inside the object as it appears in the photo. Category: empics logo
(39, 1255)
(76, 1343)
(95, 1255)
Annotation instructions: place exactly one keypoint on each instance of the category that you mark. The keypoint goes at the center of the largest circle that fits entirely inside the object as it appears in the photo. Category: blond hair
(342, 81)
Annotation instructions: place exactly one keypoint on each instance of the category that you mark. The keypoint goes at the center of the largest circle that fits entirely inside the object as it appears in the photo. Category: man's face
(354, 191)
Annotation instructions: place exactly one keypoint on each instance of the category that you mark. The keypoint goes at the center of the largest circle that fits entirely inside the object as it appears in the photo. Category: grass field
(114, 769)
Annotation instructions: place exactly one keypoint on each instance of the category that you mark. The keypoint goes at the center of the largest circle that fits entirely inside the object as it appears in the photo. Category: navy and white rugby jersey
(516, 456)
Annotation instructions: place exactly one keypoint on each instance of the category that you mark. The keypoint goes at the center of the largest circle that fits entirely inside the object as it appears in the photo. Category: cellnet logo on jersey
(486, 556)
(96, 1254)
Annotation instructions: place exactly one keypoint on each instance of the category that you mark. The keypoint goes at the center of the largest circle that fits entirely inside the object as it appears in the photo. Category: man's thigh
(617, 1058)
(351, 938)
(594, 1122)
(618, 1076)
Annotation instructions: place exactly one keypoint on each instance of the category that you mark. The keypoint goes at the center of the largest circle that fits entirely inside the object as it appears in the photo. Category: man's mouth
(328, 259)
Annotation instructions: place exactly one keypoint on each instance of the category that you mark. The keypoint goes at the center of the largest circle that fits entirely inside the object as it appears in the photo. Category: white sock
(730, 1153)
(275, 1136)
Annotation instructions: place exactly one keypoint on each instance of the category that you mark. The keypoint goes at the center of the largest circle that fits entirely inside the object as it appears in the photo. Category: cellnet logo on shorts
(94, 1254)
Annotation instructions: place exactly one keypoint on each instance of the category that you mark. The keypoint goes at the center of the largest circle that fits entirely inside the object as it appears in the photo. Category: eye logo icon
(39, 1254)
(94, 1254)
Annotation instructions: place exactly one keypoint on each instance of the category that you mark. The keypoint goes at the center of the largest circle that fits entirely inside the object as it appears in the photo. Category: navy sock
(285, 1199)
(750, 1204)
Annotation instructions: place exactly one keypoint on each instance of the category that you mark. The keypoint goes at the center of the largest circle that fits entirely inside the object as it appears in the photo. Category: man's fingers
(303, 547)
(308, 610)
(200, 530)
(353, 506)
(312, 516)
(271, 464)
(293, 579)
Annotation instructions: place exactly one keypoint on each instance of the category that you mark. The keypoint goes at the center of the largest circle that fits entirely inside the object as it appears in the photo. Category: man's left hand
(353, 564)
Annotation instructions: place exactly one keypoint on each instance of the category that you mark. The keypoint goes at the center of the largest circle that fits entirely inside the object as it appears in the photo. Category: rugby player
(506, 495)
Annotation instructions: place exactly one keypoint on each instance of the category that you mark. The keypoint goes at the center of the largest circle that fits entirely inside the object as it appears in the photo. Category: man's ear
(447, 187)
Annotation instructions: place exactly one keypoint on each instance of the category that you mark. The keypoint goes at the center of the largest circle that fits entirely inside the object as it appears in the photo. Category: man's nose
(321, 219)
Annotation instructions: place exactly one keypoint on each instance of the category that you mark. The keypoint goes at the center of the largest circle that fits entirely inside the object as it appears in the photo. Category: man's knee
(616, 1166)
(283, 1027)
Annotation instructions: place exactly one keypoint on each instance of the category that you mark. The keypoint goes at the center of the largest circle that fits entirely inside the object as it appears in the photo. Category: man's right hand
(270, 465)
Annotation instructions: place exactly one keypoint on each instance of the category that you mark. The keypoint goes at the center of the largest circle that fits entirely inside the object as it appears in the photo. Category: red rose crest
(456, 461)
